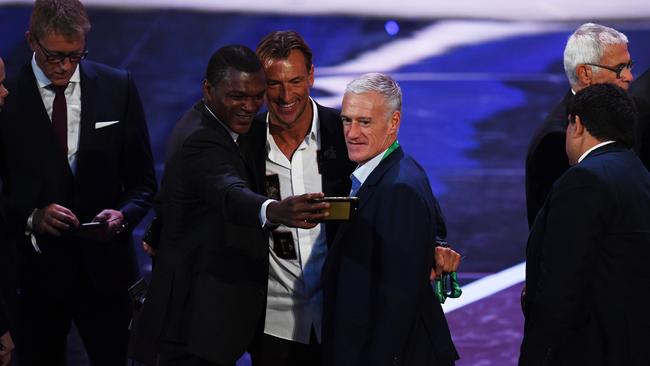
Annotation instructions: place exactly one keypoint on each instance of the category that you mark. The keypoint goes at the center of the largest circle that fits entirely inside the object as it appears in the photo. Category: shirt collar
(594, 148)
(234, 135)
(362, 172)
(44, 81)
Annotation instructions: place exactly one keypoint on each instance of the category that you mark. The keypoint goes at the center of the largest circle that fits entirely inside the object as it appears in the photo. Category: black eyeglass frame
(618, 69)
(58, 57)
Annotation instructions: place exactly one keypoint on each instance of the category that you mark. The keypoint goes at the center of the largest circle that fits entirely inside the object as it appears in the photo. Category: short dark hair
(65, 17)
(279, 44)
(607, 112)
(240, 58)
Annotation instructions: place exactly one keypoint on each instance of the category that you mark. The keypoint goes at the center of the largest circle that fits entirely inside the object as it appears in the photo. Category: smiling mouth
(286, 106)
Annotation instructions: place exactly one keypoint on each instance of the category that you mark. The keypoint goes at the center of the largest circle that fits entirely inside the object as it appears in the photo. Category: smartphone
(341, 208)
(92, 224)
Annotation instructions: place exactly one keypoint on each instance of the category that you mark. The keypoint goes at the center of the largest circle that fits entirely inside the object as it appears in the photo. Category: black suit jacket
(546, 160)
(8, 278)
(379, 306)
(333, 162)
(587, 274)
(114, 170)
(208, 288)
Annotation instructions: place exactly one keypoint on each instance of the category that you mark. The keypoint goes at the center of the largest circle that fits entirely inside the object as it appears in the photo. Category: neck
(289, 136)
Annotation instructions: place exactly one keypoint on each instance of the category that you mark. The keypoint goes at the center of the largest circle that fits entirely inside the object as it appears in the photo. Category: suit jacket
(8, 278)
(587, 274)
(208, 288)
(546, 160)
(379, 306)
(186, 125)
(114, 170)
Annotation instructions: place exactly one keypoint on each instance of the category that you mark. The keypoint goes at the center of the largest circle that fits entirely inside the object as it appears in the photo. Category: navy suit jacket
(379, 306)
(114, 170)
(587, 274)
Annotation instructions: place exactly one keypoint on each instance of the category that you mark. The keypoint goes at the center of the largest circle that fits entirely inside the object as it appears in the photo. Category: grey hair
(381, 84)
(587, 45)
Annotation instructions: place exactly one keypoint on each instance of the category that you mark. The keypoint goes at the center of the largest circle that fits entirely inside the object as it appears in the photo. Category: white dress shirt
(583, 156)
(295, 298)
(73, 103)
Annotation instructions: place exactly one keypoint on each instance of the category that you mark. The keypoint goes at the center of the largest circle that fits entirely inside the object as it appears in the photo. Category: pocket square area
(104, 124)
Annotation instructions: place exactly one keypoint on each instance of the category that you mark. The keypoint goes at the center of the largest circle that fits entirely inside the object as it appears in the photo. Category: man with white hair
(379, 307)
(594, 54)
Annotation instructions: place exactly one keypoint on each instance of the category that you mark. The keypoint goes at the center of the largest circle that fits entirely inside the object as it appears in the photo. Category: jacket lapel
(88, 91)
(368, 188)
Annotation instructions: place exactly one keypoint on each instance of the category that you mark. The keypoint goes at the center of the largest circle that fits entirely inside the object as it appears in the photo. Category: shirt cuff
(29, 231)
(263, 220)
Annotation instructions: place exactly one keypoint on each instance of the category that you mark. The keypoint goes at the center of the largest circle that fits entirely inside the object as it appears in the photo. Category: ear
(579, 127)
(394, 122)
(206, 87)
(30, 41)
(310, 77)
(585, 74)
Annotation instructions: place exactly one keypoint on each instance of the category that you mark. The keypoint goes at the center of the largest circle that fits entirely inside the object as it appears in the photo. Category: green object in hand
(447, 286)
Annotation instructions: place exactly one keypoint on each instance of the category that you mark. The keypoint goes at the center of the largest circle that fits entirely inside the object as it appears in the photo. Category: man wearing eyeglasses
(594, 54)
(75, 150)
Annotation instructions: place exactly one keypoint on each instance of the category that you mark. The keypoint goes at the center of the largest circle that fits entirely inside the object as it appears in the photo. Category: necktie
(356, 184)
(60, 115)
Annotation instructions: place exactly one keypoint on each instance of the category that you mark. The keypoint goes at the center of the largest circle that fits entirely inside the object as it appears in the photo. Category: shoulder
(407, 177)
(327, 113)
(92, 68)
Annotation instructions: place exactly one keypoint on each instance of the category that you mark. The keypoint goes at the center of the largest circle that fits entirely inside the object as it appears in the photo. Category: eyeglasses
(618, 69)
(58, 57)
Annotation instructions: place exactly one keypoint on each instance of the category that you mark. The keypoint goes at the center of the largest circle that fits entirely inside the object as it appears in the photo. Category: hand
(114, 220)
(298, 211)
(148, 249)
(54, 220)
(7, 348)
(446, 261)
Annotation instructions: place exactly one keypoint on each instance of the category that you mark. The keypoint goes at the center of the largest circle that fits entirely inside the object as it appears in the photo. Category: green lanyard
(390, 149)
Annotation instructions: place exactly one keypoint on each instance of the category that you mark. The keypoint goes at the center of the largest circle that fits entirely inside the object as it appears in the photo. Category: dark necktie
(60, 115)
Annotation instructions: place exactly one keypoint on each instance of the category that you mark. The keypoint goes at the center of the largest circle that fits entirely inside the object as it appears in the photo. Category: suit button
(396, 361)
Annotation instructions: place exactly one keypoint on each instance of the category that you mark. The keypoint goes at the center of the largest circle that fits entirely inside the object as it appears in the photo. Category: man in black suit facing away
(587, 257)
(208, 288)
(593, 54)
(8, 276)
(74, 149)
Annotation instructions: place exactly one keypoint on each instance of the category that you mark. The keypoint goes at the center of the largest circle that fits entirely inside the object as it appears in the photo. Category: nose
(627, 74)
(284, 93)
(352, 130)
(251, 105)
(66, 64)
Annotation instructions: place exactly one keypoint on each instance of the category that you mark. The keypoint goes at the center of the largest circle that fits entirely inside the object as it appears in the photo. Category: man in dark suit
(75, 149)
(593, 54)
(587, 257)
(8, 275)
(208, 288)
(301, 149)
(379, 306)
